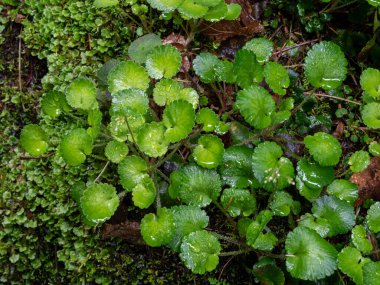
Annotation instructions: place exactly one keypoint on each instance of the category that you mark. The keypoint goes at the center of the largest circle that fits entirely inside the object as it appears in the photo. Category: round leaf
(54, 104)
(166, 89)
(309, 257)
(123, 123)
(140, 48)
(131, 99)
(256, 106)
(208, 119)
(277, 77)
(178, 118)
(233, 11)
(81, 94)
(99, 202)
(195, 185)
(370, 82)
(247, 69)
(187, 219)
(115, 151)
(373, 217)
(127, 74)
(281, 203)
(371, 273)
(371, 115)
(271, 170)
(324, 148)
(204, 66)
(238, 201)
(144, 193)
(158, 230)
(360, 240)
(337, 215)
(374, 148)
(359, 161)
(325, 66)
(132, 170)
(165, 5)
(151, 139)
(209, 151)
(163, 61)
(34, 140)
(190, 10)
(75, 146)
(262, 48)
(200, 252)
(344, 190)
(351, 262)
(311, 178)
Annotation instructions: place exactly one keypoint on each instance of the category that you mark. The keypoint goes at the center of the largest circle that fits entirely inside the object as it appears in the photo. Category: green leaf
(224, 71)
(116, 151)
(233, 11)
(127, 74)
(94, 119)
(132, 99)
(338, 215)
(238, 202)
(371, 115)
(165, 89)
(374, 148)
(375, 3)
(309, 221)
(54, 104)
(262, 48)
(151, 139)
(34, 140)
(144, 193)
(217, 12)
(256, 106)
(344, 190)
(158, 230)
(373, 217)
(247, 69)
(309, 257)
(359, 161)
(99, 202)
(208, 119)
(281, 203)
(187, 94)
(311, 178)
(277, 77)
(132, 170)
(273, 171)
(256, 227)
(360, 240)
(165, 5)
(265, 242)
(325, 66)
(200, 252)
(209, 151)
(267, 272)
(208, 3)
(178, 118)
(351, 262)
(123, 123)
(195, 185)
(370, 82)
(163, 61)
(204, 66)
(103, 72)
(187, 219)
(77, 191)
(140, 48)
(190, 10)
(324, 148)
(81, 94)
(75, 146)
(236, 169)
(371, 273)
(105, 3)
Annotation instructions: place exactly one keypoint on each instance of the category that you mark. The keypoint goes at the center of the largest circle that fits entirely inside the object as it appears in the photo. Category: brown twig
(23, 157)
(332, 97)
(294, 46)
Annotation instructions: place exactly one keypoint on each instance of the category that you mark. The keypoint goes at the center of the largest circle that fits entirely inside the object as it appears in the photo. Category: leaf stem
(332, 97)
(226, 238)
(233, 253)
(229, 218)
(101, 172)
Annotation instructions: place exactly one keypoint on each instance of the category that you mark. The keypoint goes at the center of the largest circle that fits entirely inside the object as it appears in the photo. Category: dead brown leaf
(128, 230)
(368, 182)
(176, 40)
(246, 25)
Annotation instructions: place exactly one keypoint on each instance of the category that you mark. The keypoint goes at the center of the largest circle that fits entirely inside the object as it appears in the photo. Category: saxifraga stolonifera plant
(142, 118)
